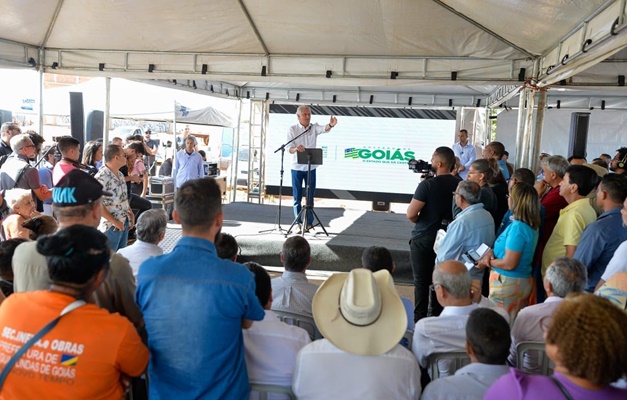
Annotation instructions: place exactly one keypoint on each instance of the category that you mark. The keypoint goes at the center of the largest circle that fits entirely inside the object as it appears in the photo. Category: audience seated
(40, 225)
(7, 248)
(447, 333)
(564, 276)
(227, 247)
(601, 238)
(578, 182)
(87, 354)
(271, 345)
(587, 341)
(615, 290)
(362, 319)
(291, 291)
(151, 227)
(77, 200)
(487, 345)
(195, 306)
(22, 207)
(377, 258)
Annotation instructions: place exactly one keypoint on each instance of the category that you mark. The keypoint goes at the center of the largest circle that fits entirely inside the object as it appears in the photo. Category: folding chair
(545, 364)
(454, 359)
(264, 390)
(407, 339)
(301, 321)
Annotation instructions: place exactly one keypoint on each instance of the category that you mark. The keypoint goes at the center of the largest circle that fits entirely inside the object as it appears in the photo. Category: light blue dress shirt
(598, 243)
(472, 227)
(186, 167)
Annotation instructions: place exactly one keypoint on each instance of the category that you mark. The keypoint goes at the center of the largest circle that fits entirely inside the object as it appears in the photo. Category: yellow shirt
(572, 221)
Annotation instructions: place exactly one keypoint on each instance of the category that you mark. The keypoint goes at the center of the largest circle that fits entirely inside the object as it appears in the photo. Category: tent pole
(520, 127)
(537, 134)
(41, 91)
(527, 138)
(107, 111)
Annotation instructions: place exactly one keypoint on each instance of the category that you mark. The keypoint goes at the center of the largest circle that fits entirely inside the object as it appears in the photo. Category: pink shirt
(59, 172)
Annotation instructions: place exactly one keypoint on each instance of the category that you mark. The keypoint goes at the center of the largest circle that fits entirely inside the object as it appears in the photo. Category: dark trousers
(139, 205)
(298, 177)
(422, 264)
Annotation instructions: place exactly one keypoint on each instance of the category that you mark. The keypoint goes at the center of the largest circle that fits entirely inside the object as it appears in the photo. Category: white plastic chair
(301, 321)
(264, 390)
(544, 363)
(454, 360)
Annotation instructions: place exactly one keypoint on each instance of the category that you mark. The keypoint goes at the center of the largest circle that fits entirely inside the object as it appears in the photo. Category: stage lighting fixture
(263, 71)
(371, 98)
(393, 74)
(151, 67)
(621, 80)
(334, 98)
(297, 96)
(32, 62)
(603, 105)
(410, 100)
(55, 65)
(204, 69)
(101, 66)
(453, 75)
(329, 73)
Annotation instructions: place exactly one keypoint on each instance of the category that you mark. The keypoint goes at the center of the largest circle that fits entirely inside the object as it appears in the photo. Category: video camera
(421, 167)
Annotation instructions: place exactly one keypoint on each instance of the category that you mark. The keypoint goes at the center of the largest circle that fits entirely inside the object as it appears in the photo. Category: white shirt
(308, 140)
(618, 263)
(139, 252)
(270, 349)
(326, 372)
(292, 292)
(529, 326)
(469, 382)
(466, 154)
(446, 333)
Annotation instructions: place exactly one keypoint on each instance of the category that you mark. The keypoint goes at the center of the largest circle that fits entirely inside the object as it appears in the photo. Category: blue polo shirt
(193, 304)
(598, 243)
(520, 237)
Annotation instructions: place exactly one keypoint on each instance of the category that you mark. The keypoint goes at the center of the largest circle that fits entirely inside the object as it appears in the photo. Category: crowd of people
(499, 258)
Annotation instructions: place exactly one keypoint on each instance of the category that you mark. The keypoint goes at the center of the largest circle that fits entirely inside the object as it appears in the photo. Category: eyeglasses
(29, 145)
(456, 193)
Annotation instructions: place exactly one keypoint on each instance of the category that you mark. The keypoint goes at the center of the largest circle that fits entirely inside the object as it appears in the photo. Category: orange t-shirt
(82, 357)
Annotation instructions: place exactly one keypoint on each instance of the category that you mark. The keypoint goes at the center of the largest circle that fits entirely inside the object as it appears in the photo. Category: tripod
(304, 212)
(277, 225)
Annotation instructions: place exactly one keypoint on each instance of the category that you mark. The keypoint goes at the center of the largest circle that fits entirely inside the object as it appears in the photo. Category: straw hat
(360, 312)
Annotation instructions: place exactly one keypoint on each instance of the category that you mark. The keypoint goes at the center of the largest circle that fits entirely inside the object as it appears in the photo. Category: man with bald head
(447, 333)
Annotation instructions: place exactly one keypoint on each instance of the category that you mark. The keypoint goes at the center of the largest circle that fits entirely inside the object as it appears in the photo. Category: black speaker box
(578, 136)
(77, 117)
(95, 125)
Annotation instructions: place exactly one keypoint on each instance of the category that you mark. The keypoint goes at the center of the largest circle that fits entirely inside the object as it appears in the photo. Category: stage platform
(350, 230)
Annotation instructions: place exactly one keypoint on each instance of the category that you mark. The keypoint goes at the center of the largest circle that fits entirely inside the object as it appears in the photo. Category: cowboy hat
(360, 312)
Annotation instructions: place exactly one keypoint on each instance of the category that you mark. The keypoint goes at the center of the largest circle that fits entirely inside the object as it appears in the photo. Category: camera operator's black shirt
(437, 194)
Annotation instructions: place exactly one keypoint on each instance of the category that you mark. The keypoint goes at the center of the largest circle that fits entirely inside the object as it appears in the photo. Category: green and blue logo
(390, 155)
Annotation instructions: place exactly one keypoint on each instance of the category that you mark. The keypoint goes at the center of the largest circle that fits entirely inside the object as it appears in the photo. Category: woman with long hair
(510, 278)
(481, 171)
(88, 352)
(92, 155)
(587, 342)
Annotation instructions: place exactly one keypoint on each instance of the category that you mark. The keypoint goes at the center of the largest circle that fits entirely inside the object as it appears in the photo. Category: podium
(309, 156)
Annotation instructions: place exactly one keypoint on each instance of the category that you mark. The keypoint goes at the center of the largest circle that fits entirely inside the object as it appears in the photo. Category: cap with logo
(77, 188)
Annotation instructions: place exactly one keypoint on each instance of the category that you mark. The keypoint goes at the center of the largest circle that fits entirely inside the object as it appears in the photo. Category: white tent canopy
(394, 52)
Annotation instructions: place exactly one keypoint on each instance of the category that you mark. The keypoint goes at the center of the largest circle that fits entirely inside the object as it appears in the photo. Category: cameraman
(430, 205)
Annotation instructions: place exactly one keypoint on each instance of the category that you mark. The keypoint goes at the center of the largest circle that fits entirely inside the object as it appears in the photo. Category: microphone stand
(277, 225)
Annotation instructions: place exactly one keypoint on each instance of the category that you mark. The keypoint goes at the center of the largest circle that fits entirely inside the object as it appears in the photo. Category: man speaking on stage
(299, 171)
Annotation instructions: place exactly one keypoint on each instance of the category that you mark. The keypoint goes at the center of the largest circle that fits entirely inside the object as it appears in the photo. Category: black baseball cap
(77, 188)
